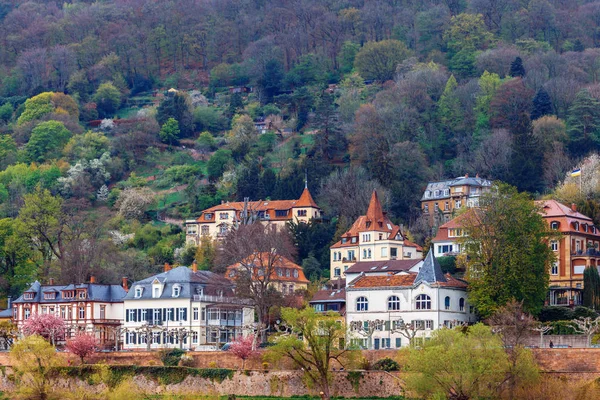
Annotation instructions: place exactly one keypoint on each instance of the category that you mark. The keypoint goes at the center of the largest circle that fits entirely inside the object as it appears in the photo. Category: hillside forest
(121, 118)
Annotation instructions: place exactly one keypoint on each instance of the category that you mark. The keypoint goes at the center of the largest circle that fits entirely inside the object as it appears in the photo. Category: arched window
(362, 304)
(393, 303)
(423, 302)
(461, 304)
(576, 226)
(447, 302)
(138, 292)
(554, 225)
(369, 253)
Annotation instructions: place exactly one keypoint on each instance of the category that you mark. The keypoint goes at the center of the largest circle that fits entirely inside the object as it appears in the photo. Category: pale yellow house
(216, 221)
(372, 237)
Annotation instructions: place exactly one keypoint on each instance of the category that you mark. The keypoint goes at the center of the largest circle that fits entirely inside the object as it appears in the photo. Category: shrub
(187, 361)
(549, 314)
(171, 357)
(386, 364)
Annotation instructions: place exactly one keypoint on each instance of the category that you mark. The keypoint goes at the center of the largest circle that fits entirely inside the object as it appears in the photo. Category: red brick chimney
(574, 207)
(51, 281)
(194, 266)
(167, 267)
(92, 279)
(466, 175)
(124, 283)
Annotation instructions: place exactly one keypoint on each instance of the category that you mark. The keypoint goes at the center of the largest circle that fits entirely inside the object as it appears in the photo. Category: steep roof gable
(375, 212)
(431, 271)
(306, 200)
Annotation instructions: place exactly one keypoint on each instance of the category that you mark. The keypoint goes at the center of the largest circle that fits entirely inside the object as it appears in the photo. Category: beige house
(372, 237)
(216, 221)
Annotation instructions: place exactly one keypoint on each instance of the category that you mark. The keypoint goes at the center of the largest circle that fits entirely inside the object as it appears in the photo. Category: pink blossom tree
(48, 326)
(243, 348)
(82, 345)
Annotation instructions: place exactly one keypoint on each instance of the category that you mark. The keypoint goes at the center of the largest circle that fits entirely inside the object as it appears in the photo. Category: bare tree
(367, 328)
(347, 192)
(588, 327)
(542, 329)
(409, 331)
(254, 252)
(149, 330)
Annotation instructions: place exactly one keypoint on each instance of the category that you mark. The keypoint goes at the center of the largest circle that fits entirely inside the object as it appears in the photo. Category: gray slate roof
(191, 283)
(431, 271)
(95, 292)
(447, 184)
(382, 266)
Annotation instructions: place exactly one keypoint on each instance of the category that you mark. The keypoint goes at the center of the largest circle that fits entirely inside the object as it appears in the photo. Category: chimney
(124, 283)
(194, 266)
(167, 267)
(92, 279)
(9, 303)
(466, 175)
(476, 175)
(574, 207)
(51, 281)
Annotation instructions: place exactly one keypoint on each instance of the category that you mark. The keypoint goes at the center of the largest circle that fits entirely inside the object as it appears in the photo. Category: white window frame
(138, 292)
(362, 304)
(393, 303)
(423, 302)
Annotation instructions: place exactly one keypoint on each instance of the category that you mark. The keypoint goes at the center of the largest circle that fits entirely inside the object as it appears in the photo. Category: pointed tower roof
(306, 200)
(375, 212)
(431, 271)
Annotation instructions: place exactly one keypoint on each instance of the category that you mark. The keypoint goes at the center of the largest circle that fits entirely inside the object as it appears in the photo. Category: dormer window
(295, 273)
(279, 272)
(138, 292)
(585, 227)
(81, 294)
(28, 296)
(208, 216)
(176, 290)
(49, 296)
(576, 226)
(554, 225)
(353, 240)
(344, 240)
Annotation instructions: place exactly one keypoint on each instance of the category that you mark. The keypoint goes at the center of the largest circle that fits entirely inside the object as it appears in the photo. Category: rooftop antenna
(306, 179)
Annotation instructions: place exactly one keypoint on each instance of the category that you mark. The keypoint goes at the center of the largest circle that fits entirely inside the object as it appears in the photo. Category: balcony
(348, 260)
(586, 253)
(221, 299)
(224, 322)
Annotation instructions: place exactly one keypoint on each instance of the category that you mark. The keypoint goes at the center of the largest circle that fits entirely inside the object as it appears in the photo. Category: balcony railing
(353, 259)
(222, 299)
(588, 252)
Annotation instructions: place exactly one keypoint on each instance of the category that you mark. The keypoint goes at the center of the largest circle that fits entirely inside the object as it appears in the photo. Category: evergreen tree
(312, 267)
(526, 163)
(180, 108)
(591, 287)
(517, 68)
(329, 139)
(269, 182)
(542, 104)
(450, 117)
(249, 183)
(236, 103)
(583, 124)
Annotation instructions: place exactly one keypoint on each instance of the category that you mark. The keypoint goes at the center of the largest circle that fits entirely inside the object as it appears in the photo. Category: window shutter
(172, 316)
(149, 313)
(134, 338)
(139, 314)
(177, 314)
(127, 315)
(387, 326)
(185, 310)
(164, 314)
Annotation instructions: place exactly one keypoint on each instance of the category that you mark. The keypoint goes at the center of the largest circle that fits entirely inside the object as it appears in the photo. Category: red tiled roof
(408, 243)
(306, 200)
(280, 263)
(267, 206)
(374, 220)
(385, 281)
(405, 280)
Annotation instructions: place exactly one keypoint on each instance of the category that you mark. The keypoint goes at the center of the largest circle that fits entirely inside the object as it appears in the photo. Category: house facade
(372, 237)
(441, 199)
(88, 307)
(216, 222)
(286, 276)
(577, 247)
(388, 311)
(184, 308)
